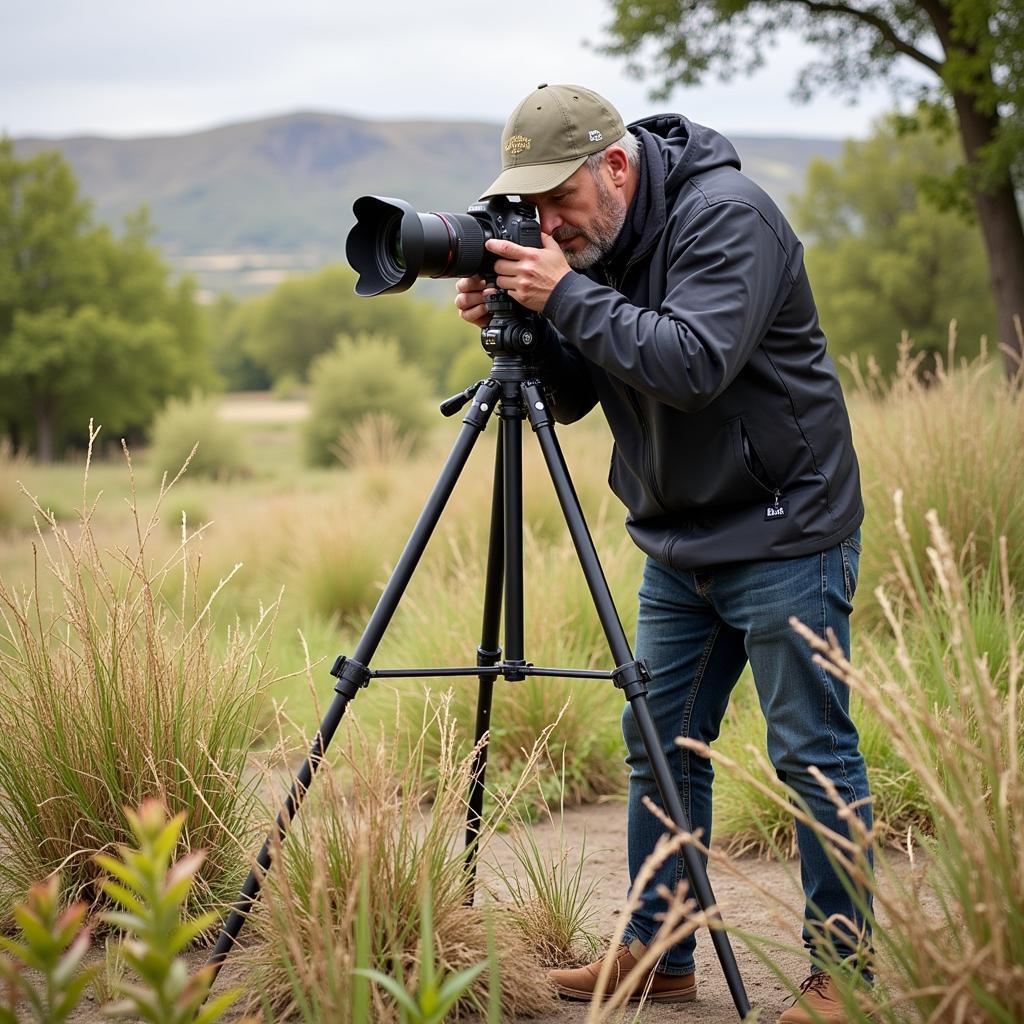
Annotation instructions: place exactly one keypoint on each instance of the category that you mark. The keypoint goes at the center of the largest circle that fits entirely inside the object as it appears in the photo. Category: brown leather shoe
(818, 1002)
(663, 988)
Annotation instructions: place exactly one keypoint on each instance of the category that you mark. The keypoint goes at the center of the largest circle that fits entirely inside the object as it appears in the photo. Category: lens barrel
(391, 245)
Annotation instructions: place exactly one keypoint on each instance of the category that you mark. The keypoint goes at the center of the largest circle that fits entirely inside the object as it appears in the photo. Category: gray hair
(629, 142)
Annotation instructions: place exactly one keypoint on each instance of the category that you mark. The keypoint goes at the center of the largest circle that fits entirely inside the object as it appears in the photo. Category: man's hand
(469, 300)
(529, 275)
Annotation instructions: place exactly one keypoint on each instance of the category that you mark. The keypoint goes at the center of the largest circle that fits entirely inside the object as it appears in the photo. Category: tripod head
(511, 330)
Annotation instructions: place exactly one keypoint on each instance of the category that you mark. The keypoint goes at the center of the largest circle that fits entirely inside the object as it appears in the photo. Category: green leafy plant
(53, 944)
(152, 893)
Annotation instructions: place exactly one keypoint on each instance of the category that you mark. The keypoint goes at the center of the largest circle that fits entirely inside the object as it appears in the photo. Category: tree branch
(887, 32)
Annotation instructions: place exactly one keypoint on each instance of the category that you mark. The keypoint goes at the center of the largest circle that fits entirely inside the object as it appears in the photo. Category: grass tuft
(115, 692)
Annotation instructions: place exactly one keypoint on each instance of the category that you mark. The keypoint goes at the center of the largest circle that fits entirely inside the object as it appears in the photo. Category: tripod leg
(352, 672)
(488, 653)
(632, 679)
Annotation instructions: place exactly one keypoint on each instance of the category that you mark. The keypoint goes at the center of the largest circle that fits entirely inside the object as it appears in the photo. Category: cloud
(125, 68)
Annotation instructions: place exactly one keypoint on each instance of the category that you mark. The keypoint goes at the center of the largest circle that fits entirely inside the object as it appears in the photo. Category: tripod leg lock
(351, 675)
(485, 657)
(632, 677)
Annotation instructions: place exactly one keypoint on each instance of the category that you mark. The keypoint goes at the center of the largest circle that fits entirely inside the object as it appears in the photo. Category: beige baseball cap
(550, 135)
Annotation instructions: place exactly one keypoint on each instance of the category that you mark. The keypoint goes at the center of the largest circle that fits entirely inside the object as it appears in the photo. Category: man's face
(584, 215)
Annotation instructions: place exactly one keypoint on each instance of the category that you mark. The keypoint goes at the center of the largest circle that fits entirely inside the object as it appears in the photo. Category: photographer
(675, 295)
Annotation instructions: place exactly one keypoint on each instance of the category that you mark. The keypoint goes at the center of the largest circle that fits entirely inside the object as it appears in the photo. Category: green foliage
(882, 258)
(301, 319)
(680, 42)
(362, 375)
(151, 894)
(89, 325)
(229, 323)
(53, 944)
(183, 425)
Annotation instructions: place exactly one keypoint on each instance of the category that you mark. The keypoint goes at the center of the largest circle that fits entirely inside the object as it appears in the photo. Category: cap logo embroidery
(517, 144)
(596, 136)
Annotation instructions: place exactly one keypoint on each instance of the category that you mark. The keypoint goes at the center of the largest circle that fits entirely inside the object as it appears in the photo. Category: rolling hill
(245, 204)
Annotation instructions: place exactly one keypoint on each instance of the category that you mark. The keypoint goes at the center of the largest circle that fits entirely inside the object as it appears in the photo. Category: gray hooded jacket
(699, 337)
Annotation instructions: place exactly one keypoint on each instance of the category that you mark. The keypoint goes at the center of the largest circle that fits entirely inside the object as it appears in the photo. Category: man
(676, 296)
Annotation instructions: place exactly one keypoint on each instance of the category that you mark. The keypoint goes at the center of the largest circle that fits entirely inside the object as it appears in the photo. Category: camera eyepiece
(391, 244)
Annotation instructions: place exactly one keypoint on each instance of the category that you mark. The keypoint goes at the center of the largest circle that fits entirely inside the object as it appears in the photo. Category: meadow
(130, 605)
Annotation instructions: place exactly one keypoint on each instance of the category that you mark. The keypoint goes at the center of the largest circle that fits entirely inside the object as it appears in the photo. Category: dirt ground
(603, 827)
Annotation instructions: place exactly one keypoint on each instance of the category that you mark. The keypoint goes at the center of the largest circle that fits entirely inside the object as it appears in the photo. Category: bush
(184, 425)
(361, 376)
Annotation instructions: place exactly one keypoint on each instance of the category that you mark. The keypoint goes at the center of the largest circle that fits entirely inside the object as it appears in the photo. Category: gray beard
(600, 234)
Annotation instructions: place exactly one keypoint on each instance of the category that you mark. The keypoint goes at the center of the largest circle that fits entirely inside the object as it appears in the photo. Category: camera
(391, 244)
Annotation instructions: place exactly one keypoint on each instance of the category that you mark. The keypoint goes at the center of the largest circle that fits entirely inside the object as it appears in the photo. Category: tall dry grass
(948, 936)
(346, 890)
(947, 433)
(115, 692)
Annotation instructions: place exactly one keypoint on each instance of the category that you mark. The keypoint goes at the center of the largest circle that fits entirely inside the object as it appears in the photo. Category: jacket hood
(674, 150)
(687, 149)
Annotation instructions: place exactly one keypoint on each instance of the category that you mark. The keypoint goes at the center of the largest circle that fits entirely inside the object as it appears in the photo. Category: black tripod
(514, 389)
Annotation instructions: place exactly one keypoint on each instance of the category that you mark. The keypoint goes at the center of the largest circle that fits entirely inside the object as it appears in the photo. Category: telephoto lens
(392, 244)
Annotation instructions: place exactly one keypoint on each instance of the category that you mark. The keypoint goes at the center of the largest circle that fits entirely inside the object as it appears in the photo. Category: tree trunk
(1001, 229)
(44, 431)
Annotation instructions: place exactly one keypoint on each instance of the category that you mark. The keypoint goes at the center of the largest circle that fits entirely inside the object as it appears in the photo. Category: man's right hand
(469, 300)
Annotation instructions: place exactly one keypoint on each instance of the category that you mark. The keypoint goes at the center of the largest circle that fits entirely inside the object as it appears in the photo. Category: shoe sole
(685, 996)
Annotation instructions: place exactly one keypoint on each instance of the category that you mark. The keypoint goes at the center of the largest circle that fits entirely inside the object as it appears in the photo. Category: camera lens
(391, 245)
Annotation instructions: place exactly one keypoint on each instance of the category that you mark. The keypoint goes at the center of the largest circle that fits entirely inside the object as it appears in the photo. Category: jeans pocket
(849, 550)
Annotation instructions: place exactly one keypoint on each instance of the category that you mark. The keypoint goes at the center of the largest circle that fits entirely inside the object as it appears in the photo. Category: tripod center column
(512, 414)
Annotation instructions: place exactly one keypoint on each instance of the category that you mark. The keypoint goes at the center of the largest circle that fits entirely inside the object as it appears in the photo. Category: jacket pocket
(712, 469)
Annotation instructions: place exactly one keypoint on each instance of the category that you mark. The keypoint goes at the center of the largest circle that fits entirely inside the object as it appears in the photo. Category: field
(255, 582)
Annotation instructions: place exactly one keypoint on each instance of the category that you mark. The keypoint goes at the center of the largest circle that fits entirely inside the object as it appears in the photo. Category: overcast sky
(144, 67)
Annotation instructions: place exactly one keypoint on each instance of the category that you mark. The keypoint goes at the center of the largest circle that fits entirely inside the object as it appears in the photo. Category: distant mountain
(245, 204)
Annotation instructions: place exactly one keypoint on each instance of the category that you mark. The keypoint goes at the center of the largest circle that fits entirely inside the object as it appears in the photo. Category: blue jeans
(697, 631)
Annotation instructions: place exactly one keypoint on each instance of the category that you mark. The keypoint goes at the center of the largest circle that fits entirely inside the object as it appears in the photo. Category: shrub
(117, 693)
(362, 375)
(194, 424)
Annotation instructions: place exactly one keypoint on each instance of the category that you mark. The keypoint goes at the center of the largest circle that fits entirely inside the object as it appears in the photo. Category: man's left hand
(529, 275)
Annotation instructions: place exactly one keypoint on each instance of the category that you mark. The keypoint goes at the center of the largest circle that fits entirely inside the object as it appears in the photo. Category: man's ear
(618, 164)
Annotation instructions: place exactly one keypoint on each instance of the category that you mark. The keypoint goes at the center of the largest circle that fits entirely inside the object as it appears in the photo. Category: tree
(973, 51)
(301, 319)
(90, 326)
(882, 258)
